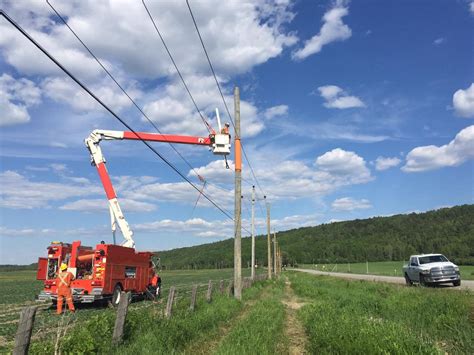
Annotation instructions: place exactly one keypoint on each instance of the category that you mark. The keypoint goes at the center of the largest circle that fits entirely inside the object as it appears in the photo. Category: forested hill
(449, 231)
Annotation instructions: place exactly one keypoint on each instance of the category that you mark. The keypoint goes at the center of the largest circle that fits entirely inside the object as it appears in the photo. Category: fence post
(122, 310)
(23, 333)
(169, 304)
(230, 288)
(221, 287)
(193, 298)
(209, 292)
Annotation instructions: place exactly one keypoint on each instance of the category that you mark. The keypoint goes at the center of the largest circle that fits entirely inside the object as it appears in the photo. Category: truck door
(413, 269)
(42, 268)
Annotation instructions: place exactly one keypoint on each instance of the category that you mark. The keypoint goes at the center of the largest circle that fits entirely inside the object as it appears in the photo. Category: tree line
(449, 231)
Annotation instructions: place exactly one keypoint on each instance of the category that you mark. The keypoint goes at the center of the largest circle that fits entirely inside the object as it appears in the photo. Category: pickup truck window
(413, 262)
(432, 259)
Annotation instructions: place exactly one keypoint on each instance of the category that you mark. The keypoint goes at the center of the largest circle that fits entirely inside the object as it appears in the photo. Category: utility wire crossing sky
(348, 110)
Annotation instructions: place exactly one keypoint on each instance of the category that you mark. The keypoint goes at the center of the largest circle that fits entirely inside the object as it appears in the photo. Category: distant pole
(238, 200)
(253, 234)
(269, 246)
(279, 260)
(274, 252)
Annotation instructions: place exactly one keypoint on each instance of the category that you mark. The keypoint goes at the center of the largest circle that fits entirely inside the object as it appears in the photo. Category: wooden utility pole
(269, 243)
(238, 200)
(252, 274)
(275, 247)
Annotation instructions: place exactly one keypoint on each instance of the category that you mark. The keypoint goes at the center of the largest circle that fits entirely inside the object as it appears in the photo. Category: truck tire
(408, 281)
(457, 283)
(422, 281)
(150, 293)
(116, 295)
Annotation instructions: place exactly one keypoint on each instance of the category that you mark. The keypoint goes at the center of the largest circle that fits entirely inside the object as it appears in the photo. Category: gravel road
(465, 284)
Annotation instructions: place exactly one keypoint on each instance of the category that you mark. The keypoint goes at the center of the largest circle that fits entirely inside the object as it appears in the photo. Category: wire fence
(38, 323)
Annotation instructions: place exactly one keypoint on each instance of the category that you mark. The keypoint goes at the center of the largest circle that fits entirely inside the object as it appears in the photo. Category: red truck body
(99, 272)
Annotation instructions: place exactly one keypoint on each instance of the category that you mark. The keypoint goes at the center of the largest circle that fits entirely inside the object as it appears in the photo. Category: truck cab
(428, 269)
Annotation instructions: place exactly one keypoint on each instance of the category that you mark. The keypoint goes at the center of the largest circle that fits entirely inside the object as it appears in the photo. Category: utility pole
(238, 200)
(252, 274)
(275, 253)
(269, 243)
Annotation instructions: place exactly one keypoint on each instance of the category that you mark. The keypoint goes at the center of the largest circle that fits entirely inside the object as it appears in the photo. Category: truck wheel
(116, 295)
(150, 293)
(408, 281)
(422, 281)
(457, 283)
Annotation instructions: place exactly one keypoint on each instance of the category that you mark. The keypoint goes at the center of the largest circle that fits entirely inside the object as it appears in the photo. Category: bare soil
(294, 330)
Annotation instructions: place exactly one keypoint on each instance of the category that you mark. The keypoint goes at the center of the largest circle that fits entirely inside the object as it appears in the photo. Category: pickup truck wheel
(116, 295)
(457, 283)
(422, 281)
(408, 281)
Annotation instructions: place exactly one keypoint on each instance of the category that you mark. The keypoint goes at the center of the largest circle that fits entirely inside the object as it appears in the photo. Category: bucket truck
(102, 272)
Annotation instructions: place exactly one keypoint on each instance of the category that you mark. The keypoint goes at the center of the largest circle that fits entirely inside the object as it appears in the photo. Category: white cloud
(129, 47)
(18, 192)
(174, 112)
(382, 163)
(463, 102)
(337, 98)
(66, 91)
(295, 221)
(350, 204)
(193, 227)
(289, 179)
(128, 35)
(431, 157)
(333, 29)
(439, 41)
(16, 96)
(344, 166)
(101, 205)
(275, 111)
(471, 7)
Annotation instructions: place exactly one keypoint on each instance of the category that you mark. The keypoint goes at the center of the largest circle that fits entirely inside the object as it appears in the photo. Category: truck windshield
(432, 259)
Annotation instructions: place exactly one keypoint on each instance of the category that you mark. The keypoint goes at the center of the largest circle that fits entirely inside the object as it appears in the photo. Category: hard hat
(227, 124)
(63, 267)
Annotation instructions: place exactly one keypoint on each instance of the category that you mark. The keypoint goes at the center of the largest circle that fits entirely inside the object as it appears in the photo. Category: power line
(220, 90)
(85, 88)
(177, 70)
(121, 87)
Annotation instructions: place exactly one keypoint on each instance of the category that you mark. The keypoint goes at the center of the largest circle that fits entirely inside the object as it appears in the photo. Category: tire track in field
(294, 330)
(213, 339)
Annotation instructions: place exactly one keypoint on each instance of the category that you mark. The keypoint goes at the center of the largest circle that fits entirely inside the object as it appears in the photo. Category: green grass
(261, 331)
(365, 317)
(147, 332)
(386, 268)
(20, 287)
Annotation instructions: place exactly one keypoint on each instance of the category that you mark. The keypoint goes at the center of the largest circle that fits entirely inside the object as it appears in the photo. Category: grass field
(336, 317)
(387, 268)
(19, 288)
(359, 317)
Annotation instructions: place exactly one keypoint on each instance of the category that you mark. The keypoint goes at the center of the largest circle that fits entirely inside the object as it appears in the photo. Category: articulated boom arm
(219, 144)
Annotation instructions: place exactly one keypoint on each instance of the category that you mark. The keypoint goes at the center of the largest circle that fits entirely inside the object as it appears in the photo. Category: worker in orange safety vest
(225, 129)
(63, 282)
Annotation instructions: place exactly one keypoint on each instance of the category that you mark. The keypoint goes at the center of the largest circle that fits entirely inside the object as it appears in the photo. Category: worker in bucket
(64, 289)
(225, 129)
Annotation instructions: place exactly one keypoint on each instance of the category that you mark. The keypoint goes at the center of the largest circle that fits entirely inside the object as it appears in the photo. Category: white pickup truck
(427, 269)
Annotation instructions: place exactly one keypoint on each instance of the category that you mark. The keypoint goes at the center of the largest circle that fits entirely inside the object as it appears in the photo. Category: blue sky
(349, 110)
